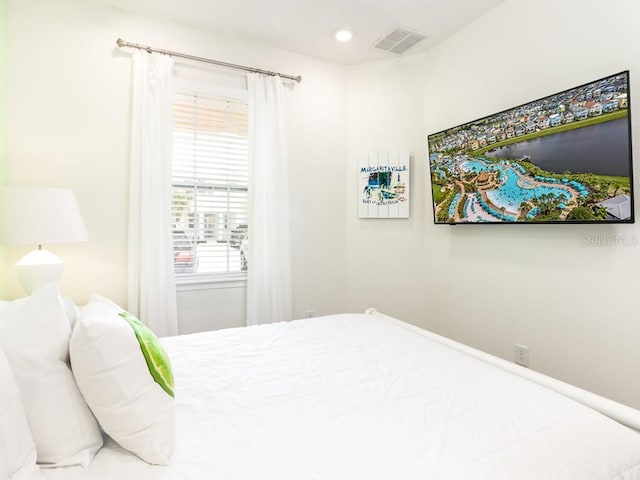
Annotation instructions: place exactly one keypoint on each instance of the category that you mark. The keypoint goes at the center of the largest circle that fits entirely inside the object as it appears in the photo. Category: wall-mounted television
(565, 158)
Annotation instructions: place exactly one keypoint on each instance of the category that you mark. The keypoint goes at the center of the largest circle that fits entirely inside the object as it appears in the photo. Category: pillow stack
(121, 374)
(17, 448)
(34, 334)
(126, 378)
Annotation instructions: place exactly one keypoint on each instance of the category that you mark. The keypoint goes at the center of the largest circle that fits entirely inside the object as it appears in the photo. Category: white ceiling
(307, 26)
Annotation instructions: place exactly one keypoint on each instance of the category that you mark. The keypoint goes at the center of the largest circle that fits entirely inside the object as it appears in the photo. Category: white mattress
(361, 397)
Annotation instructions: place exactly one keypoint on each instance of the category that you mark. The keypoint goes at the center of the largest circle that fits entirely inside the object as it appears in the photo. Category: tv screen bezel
(630, 220)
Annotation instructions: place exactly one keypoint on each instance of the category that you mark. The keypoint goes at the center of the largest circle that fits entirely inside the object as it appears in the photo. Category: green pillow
(154, 354)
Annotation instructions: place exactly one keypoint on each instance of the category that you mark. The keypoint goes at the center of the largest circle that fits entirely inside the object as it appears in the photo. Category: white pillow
(34, 333)
(17, 448)
(71, 310)
(109, 350)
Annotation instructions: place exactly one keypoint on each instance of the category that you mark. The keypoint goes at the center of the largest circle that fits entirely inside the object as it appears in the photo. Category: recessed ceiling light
(343, 35)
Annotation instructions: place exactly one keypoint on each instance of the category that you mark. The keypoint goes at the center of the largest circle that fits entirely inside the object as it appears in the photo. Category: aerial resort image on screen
(561, 159)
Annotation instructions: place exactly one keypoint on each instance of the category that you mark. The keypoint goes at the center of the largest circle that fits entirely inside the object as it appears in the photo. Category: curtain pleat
(151, 287)
(269, 289)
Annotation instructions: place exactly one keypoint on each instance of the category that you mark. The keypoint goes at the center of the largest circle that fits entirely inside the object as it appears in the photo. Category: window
(210, 186)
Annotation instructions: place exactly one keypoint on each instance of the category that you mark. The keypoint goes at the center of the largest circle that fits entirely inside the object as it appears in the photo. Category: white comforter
(359, 397)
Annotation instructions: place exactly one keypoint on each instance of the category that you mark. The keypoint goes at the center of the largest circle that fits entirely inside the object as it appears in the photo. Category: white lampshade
(37, 216)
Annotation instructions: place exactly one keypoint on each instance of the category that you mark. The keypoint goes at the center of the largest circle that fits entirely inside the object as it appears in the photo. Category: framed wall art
(384, 179)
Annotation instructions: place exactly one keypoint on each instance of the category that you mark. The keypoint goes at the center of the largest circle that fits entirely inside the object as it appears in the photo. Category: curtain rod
(121, 43)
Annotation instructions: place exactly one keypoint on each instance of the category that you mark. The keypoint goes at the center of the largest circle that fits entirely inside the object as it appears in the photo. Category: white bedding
(360, 397)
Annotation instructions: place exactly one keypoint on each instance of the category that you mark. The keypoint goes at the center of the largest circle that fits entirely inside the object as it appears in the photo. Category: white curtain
(152, 291)
(269, 294)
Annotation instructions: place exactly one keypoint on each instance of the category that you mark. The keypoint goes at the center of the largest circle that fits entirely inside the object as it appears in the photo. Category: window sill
(207, 282)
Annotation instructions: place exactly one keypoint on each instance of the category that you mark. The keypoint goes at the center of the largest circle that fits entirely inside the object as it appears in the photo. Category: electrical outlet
(309, 313)
(522, 355)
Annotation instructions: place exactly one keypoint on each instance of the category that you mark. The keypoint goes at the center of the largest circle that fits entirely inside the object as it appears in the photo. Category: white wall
(386, 257)
(3, 130)
(573, 305)
(69, 113)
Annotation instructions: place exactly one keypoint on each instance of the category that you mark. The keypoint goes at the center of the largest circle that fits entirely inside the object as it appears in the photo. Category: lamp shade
(36, 216)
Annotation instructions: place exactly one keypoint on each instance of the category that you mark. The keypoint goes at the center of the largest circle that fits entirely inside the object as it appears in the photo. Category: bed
(366, 396)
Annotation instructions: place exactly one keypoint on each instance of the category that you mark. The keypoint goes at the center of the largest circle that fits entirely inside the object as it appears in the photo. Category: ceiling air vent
(399, 41)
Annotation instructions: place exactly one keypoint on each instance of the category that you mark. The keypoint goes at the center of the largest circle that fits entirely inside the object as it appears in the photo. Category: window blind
(210, 185)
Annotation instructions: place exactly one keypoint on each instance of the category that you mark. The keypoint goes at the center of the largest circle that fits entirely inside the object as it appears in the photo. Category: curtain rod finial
(120, 42)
